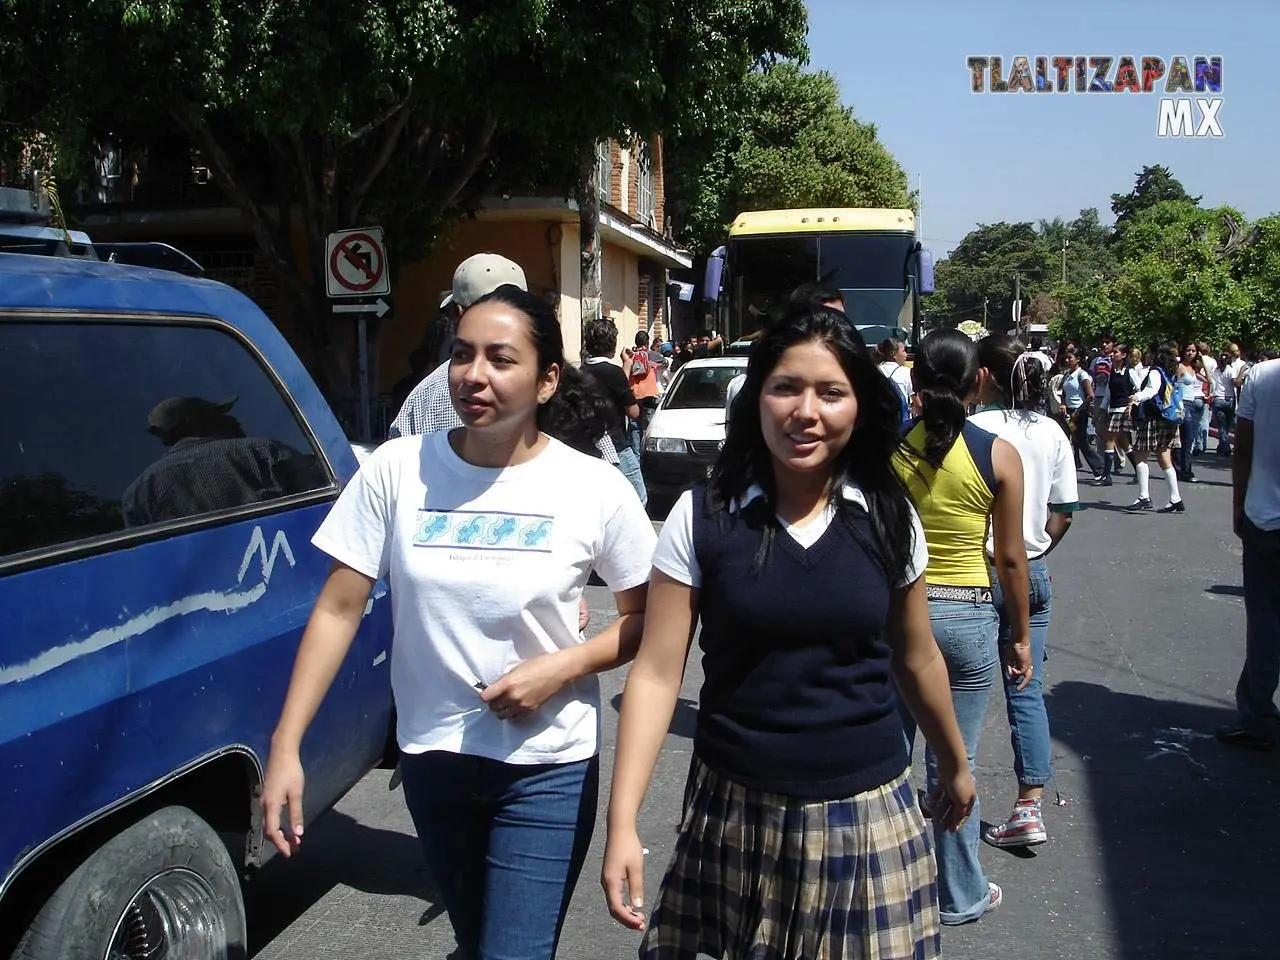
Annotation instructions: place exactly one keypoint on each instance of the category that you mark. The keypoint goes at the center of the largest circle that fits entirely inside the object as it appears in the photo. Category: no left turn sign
(357, 263)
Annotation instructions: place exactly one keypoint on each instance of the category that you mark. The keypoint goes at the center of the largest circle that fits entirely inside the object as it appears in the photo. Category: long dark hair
(865, 461)
(1166, 358)
(578, 413)
(944, 373)
(1018, 377)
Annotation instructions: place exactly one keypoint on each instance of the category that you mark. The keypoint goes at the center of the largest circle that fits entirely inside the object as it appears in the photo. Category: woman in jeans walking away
(1196, 390)
(801, 837)
(1077, 406)
(486, 535)
(1007, 385)
(963, 478)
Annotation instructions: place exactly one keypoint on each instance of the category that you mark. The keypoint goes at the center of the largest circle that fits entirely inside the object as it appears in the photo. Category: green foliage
(403, 112)
(1170, 269)
(990, 263)
(788, 142)
(1154, 185)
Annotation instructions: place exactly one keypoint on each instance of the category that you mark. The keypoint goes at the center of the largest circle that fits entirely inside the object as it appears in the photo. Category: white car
(687, 428)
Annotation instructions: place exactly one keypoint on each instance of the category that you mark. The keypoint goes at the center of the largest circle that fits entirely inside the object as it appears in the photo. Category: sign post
(356, 267)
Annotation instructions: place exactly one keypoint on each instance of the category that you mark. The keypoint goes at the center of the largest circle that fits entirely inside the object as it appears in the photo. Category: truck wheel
(165, 887)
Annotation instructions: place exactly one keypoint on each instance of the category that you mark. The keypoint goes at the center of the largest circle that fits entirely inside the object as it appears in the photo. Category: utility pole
(1017, 301)
(984, 313)
(1065, 243)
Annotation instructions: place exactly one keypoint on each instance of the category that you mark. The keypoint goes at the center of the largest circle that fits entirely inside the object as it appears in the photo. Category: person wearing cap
(209, 464)
(429, 408)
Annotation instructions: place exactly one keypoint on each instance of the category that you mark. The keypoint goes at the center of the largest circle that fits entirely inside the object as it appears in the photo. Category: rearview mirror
(711, 279)
(926, 272)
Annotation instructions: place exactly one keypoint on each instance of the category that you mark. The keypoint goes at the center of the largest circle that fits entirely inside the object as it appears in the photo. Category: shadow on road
(1186, 824)
(684, 722)
(337, 850)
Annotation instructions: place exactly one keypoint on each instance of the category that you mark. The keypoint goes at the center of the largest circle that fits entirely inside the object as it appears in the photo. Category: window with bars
(645, 208)
(604, 171)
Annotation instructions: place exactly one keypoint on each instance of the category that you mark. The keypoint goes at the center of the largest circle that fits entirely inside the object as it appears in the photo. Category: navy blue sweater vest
(797, 697)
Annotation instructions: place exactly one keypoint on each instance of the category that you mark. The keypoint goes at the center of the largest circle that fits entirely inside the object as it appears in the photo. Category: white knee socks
(1171, 477)
(1143, 470)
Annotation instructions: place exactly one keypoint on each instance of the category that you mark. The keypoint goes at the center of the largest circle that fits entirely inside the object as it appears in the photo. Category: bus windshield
(866, 267)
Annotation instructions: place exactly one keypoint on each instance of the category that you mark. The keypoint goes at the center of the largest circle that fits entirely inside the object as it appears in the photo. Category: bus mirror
(926, 272)
(711, 279)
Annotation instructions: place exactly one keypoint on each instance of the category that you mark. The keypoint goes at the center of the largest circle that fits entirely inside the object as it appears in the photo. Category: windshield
(866, 267)
(700, 388)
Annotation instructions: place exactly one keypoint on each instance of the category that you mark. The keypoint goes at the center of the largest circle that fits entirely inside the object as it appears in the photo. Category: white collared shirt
(676, 558)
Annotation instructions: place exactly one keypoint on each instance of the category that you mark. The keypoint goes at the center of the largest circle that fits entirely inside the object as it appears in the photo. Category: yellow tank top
(954, 504)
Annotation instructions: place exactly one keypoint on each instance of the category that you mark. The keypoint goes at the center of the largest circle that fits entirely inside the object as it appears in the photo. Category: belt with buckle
(962, 594)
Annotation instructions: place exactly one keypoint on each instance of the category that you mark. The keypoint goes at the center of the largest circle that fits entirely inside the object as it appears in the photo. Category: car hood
(698, 424)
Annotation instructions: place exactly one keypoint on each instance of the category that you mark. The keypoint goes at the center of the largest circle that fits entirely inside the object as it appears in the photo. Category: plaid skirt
(762, 875)
(1154, 434)
(1119, 421)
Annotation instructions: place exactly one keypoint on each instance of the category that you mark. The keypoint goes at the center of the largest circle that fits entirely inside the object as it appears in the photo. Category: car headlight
(666, 445)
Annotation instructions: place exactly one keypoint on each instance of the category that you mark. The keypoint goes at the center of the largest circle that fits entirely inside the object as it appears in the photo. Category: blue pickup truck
(164, 461)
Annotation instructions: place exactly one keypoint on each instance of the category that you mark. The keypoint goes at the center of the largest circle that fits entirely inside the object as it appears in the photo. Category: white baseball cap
(480, 275)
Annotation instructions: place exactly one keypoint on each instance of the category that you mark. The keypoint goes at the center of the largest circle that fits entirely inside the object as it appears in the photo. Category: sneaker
(1242, 737)
(1142, 503)
(995, 897)
(1172, 507)
(1024, 828)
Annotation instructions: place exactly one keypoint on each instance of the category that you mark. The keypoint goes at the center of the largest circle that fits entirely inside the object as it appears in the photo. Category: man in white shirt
(1227, 381)
(1255, 484)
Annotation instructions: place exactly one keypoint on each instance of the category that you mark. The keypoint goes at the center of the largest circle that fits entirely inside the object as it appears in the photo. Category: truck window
(112, 425)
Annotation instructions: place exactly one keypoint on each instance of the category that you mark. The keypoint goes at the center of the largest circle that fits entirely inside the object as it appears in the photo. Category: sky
(1025, 157)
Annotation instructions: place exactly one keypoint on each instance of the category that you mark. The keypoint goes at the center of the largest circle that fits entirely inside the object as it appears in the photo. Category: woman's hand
(622, 877)
(1016, 657)
(283, 787)
(526, 687)
(953, 798)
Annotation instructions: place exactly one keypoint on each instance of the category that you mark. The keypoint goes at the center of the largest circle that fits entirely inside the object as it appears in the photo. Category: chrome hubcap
(175, 916)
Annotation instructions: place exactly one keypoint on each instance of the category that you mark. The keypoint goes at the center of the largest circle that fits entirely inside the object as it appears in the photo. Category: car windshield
(700, 388)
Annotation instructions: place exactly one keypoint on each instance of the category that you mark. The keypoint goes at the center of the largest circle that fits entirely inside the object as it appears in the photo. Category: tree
(989, 266)
(1154, 184)
(403, 112)
(787, 142)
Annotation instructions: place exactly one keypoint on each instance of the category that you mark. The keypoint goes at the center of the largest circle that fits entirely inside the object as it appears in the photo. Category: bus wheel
(165, 887)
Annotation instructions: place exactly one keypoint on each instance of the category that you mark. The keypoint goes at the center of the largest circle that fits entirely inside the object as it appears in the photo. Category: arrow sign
(379, 306)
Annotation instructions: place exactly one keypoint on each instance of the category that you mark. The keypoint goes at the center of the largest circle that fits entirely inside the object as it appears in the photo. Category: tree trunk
(589, 232)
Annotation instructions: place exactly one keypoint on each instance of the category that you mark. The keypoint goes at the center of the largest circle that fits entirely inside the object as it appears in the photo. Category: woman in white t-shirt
(891, 360)
(1010, 382)
(486, 535)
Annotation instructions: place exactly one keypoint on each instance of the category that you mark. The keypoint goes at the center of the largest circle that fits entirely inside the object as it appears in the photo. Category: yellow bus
(871, 255)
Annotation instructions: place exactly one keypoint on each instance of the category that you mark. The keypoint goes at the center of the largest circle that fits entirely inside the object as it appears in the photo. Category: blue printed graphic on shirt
(481, 530)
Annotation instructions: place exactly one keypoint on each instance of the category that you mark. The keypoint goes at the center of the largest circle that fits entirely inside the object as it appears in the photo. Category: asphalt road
(1161, 839)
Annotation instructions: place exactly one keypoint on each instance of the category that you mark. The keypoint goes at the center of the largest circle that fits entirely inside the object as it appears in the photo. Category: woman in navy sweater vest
(803, 557)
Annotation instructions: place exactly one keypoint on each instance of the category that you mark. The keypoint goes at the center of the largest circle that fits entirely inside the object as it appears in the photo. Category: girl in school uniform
(802, 557)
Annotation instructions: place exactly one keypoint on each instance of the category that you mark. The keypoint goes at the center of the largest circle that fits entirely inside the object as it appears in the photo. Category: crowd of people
(932, 494)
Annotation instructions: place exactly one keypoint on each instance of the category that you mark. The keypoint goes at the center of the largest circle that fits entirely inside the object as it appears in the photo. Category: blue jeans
(1224, 415)
(629, 464)
(1202, 429)
(1028, 719)
(1256, 691)
(966, 635)
(1189, 435)
(504, 843)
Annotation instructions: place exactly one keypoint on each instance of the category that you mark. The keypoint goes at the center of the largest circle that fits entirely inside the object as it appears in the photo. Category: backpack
(1167, 403)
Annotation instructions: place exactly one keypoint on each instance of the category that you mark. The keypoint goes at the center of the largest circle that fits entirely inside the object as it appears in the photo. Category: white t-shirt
(1260, 402)
(1224, 378)
(1048, 470)
(486, 567)
(675, 555)
(900, 376)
